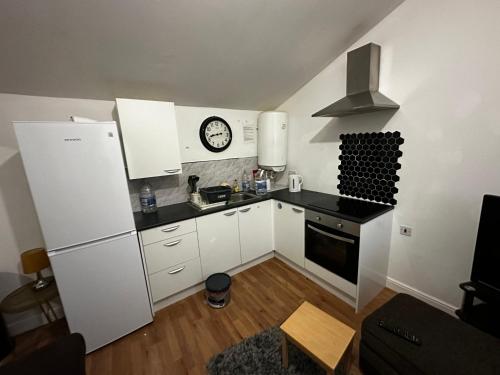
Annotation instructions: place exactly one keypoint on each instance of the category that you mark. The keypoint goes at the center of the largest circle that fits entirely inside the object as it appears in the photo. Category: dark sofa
(66, 356)
(449, 346)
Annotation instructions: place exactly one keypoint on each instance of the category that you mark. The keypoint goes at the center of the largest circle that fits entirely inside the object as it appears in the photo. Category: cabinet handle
(246, 209)
(280, 206)
(170, 229)
(173, 243)
(176, 270)
(297, 210)
(172, 170)
(348, 240)
(229, 213)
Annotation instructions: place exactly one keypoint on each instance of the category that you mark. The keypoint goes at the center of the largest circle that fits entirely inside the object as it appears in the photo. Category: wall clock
(215, 134)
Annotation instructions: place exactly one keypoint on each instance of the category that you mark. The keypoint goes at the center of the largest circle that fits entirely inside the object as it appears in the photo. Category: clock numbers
(215, 134)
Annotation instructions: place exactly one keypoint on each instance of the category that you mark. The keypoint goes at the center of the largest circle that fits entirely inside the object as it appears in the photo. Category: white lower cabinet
(219, 240)
(174, 279)
(163, 254)
(172, 258)
(289, 231)
(256, 230)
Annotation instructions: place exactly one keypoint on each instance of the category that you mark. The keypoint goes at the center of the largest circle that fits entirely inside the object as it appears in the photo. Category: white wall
(189, 120)
(440, 62)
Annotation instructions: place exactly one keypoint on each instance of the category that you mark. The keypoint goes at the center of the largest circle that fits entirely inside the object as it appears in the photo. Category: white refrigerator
(77, 179)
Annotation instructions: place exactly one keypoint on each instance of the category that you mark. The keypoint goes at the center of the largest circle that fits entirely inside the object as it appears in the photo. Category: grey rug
(261, 354)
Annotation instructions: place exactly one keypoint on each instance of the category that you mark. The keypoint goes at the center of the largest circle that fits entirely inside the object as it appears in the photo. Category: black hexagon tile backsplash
(369, 165)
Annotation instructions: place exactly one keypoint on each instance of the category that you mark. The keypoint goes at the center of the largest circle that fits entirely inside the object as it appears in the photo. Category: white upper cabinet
(150, 140)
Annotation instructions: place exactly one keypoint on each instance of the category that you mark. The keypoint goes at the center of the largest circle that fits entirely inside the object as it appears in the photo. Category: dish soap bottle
(236, 186)
(148, 199)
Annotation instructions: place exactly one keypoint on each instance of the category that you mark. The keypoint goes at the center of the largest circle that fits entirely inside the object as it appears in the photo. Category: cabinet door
(256, 235)
(219, 241)
(150, 140)
(289, 231)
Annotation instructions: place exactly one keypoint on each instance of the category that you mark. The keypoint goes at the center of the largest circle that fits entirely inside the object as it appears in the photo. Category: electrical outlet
(405, 230)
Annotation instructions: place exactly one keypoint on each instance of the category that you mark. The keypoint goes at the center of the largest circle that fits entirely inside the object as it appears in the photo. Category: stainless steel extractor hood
(362, 86)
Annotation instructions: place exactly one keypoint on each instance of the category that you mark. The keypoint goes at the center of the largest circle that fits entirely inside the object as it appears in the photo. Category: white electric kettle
(294, 182)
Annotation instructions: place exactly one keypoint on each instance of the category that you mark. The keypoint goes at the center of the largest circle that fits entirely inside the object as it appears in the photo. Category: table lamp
(35, 260)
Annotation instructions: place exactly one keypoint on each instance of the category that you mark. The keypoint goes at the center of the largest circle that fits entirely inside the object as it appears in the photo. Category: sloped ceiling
(247, 54)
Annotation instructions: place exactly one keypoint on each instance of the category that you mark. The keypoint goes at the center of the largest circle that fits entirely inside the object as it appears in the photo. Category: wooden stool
(321, 336)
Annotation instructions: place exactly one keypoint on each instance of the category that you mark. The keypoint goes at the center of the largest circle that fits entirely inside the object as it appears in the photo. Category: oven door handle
(348, 240)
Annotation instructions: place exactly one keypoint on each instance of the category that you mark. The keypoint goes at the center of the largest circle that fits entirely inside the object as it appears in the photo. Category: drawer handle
(176, 270)
(171, 229)
(173, 243)
(297, 210)
(229, 213)
(172, 170)
(246, 209)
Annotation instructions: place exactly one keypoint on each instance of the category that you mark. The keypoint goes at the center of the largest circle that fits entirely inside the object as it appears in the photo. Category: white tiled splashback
(174, 189)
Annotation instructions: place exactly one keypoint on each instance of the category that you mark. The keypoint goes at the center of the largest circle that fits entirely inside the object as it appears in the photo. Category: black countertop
(354, 210)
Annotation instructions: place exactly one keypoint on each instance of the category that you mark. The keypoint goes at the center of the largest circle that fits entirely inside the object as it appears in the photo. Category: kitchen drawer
(168, 231)
(168, 253)
(174, 279)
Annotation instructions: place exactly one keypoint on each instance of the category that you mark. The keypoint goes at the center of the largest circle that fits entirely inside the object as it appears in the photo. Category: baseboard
(32, 321)
(400, 287)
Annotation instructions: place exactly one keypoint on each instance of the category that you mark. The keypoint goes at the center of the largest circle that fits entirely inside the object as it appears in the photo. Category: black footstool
(449, 346)
(217, 290)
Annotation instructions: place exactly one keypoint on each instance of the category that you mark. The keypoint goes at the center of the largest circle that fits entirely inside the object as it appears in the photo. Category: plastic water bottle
(148, 199)
(245, 181)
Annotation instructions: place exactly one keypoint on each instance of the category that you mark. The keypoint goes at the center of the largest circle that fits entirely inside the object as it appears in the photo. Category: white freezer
(77, 179)
(103, 289)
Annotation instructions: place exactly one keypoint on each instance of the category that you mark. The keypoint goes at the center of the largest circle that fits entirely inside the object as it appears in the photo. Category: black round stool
(217, 290)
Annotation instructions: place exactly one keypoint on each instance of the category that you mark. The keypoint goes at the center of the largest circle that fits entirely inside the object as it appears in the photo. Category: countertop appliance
(295, 182)
(347, 206)
(272, 140)
(77, 179)
(363, 65)
(333, 244)
(215, 194)
(192, 181)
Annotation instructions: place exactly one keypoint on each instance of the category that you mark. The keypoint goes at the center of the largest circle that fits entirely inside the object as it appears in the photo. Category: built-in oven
(333, 244)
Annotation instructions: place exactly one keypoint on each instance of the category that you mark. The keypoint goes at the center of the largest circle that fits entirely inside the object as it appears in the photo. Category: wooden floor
(186, 334)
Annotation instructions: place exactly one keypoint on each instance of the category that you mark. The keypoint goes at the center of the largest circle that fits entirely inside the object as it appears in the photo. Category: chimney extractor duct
(362, 86)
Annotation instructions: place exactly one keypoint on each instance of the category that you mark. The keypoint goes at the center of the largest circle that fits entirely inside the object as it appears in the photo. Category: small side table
(326, 340)
(25, 298)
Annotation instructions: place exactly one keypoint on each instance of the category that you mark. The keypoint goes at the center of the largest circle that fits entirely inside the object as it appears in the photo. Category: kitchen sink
(241, 197)
(235, 198)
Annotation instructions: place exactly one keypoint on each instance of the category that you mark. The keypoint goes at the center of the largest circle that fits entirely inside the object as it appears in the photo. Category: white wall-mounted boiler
(272, 140)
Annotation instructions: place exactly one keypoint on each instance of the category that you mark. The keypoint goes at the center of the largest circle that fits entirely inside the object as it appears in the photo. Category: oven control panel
(333, 222)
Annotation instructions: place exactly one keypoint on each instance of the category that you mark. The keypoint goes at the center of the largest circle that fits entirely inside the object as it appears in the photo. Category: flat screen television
(486, 265)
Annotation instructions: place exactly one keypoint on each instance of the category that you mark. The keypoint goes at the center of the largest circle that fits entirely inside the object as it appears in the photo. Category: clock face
(215, 134)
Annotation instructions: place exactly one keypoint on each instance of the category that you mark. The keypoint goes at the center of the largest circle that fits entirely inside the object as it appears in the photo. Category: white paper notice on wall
(249, 133)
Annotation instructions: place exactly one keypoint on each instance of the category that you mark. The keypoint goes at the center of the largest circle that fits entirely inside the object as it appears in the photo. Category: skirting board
(400, 287)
